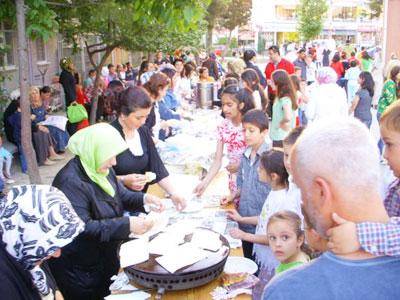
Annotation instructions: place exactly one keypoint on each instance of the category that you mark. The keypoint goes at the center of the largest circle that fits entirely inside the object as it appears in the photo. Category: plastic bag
(76, 113)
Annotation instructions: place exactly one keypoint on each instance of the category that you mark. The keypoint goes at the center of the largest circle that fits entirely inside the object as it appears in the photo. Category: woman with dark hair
(145, 71)
(251, 82)
(158, 87)
(183, 84)
(134, 105)
(249, 57)
(366, 62)
(337, 65)
(284, 110)
(361, 105)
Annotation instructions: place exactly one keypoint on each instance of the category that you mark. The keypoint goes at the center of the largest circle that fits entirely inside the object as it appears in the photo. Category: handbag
(76, 113)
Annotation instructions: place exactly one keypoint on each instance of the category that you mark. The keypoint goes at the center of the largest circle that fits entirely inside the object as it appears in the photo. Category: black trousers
(248, 250)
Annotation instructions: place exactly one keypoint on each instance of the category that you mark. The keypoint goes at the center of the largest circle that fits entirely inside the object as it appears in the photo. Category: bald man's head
(335, 161)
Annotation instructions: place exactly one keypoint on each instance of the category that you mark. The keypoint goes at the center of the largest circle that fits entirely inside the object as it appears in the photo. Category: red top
(338, 67)
(282, 65)
(81, 97)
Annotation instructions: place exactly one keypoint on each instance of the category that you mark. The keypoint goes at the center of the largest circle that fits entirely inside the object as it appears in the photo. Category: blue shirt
(253, 192)
(171, 101)
(332, 277)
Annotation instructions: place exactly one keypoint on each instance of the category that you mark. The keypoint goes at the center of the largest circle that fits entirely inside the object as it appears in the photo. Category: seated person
(38, 110)
(42, 141)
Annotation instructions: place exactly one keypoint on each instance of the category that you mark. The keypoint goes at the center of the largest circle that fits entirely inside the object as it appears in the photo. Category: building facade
(44, 58)
(276, 21)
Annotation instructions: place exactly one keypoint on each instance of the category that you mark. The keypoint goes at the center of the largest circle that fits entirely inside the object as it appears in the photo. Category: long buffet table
(185, 155)
(202, 292)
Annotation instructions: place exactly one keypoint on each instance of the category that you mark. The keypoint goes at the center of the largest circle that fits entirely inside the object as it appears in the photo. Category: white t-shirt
(134, 144)
(276, 201)
(156, 128)
(257, 100)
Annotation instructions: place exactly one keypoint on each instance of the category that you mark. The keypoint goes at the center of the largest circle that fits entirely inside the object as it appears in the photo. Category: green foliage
(311, 15)
(40, 18)
(215, 11)
(233, 43)
(376, 7)
(237, 13)
(135, 25)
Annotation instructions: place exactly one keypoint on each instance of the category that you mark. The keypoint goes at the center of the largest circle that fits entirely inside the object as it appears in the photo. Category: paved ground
(46, 172)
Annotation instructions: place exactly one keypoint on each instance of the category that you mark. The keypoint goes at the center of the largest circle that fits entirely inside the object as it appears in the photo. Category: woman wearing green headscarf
(67, 80)
(84, 269)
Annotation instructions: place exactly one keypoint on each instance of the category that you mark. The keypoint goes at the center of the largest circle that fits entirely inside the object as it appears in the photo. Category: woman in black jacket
(84, 269)
(133, 106)
(67, 80)
(36, 221)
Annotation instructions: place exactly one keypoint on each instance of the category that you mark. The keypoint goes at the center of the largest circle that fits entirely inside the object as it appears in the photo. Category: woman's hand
(233, 215)
(43, 129)
(226, 200)
(139, 225)
(200, 188)
(233, 168)
(179, 202)
(134, 182)
(58, 295)
(236, 233)
(33, 117)
(154, 203)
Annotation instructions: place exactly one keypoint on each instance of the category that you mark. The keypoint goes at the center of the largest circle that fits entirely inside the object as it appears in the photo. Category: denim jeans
(380, 142)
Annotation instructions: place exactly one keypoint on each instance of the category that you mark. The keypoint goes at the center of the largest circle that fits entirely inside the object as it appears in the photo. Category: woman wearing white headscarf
(36, 221)
(327, 99)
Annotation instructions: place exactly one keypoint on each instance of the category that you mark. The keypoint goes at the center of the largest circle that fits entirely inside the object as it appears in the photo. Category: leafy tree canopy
(311, 15)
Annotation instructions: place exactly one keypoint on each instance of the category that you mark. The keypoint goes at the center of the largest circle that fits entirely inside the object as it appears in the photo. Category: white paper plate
(238, 264)
(193, 206)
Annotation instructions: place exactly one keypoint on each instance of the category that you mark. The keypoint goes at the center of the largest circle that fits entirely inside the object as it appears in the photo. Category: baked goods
(230, 279)
(150, 176)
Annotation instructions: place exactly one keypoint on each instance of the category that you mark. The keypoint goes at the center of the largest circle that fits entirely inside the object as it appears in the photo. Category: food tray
(150, 274)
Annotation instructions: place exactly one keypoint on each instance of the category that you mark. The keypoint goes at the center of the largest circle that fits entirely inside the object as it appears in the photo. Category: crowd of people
(304, 174)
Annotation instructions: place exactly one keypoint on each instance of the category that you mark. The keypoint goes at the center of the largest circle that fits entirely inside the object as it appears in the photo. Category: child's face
(263, 175)
(205, 74)
(253, 135)
(45, 96)
(283, 241)
(230, 107)
(151, 67)
(286, 156)
(391, 138)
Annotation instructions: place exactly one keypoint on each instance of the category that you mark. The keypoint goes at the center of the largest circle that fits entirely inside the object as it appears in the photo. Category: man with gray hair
(335, 163)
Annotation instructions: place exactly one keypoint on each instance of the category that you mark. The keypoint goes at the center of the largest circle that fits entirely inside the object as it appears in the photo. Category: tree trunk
(228, 44)
(98, 67)
(26, 134)
(210, 28)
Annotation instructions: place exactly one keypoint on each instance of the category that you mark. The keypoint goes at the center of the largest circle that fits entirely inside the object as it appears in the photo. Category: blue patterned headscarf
(36, 221)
